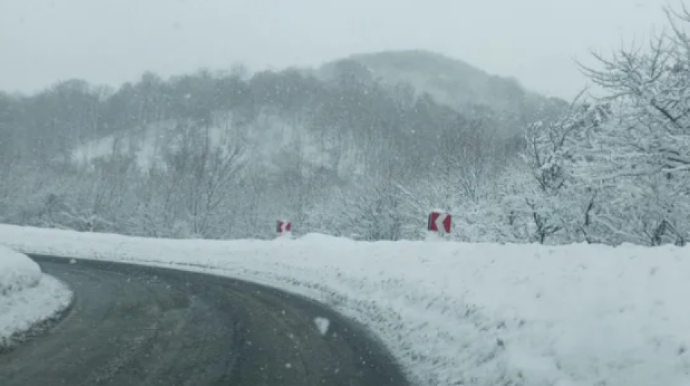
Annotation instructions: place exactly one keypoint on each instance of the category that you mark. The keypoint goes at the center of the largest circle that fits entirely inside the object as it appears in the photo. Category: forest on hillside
(352, 156)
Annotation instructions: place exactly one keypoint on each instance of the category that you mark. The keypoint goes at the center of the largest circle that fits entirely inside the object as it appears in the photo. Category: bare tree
(202, 176)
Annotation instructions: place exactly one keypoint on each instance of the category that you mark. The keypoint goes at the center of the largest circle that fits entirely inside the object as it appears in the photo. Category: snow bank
(453, 313)
(27, 297)
(17, 272)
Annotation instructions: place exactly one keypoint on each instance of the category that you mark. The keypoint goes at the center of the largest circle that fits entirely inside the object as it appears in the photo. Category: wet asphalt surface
(133, 325)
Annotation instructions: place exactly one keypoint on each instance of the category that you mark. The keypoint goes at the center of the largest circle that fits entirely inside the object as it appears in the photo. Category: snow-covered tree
(643, 152)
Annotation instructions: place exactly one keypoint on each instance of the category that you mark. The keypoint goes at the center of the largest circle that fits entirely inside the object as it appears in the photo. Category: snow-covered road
(27, 296)
(454, 313)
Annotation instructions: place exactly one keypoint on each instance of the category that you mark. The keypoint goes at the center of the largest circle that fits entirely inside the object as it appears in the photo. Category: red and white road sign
(439, 222)
(284, 226)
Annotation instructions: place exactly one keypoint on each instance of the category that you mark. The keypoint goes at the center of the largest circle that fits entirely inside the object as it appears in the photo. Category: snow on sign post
(439, 222)
(284, 227)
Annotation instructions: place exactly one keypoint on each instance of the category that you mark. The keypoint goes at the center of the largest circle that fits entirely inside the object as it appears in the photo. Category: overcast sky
(111, 41)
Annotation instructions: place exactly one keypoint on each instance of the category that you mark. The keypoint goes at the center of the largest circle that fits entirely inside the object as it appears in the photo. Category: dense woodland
(226, 154)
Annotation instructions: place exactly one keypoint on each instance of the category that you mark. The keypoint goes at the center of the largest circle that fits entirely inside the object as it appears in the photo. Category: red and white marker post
(439, 224)
(284, 228)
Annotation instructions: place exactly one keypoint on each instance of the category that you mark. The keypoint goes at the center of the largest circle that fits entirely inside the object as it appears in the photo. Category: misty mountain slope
(269, 144)
(330, 121)
(452, 81)
(145, 144)
(213, 154)
(344, 127)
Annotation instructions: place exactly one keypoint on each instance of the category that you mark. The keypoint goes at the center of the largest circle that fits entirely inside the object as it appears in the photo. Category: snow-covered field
(27, 296)
(460, 314)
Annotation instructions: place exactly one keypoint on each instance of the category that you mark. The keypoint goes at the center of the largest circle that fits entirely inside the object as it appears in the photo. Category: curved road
(133, 325)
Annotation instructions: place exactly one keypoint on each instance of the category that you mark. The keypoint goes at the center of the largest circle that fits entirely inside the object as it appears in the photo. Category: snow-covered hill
(269, 144)
(271, 138)
(455, 313)
(451, 81)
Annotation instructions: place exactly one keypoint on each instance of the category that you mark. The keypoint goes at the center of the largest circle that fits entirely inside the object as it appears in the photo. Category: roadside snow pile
(27, 297)
(17, 272)
(453, 313)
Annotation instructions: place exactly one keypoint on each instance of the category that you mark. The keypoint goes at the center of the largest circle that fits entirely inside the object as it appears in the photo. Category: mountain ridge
(450, 81)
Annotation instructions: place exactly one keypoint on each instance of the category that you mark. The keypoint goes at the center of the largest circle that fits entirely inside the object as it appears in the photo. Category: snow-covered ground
(460, 314)
(27, 296)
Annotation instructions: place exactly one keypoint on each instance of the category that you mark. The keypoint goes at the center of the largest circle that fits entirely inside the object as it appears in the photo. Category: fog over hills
(362, 146)
(471, 92)
(449, 80)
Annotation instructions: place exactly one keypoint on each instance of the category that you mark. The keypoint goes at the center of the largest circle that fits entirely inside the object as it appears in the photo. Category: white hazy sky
(112, 41)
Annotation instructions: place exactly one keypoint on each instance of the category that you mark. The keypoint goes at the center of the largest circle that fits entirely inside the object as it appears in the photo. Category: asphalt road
(132, 325)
